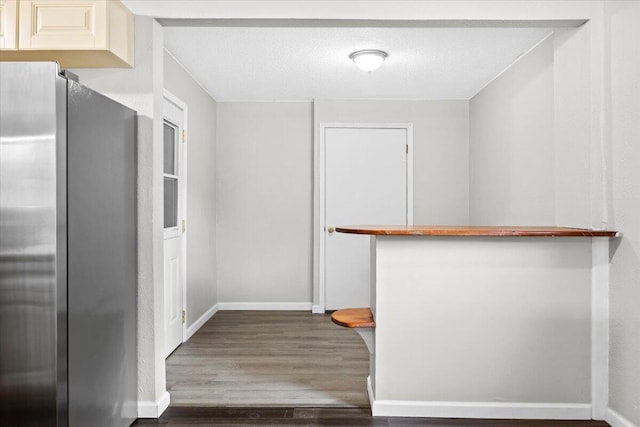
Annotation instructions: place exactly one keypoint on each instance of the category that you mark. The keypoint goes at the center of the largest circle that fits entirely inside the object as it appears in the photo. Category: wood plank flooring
(201, 417)
(270, 359)
(252, 368)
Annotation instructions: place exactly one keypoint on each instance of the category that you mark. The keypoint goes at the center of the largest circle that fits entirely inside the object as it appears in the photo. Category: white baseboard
(316, 309)
(492, 410)
(151, 409)
(616, 420)
(201, 321)
(372, 397)
(286, 306)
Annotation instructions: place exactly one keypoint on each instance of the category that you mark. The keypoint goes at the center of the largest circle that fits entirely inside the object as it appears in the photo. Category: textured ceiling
(262, 63)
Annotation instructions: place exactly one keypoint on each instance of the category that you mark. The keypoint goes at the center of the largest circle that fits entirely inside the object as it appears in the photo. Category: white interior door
(365, 184)
(174, 223)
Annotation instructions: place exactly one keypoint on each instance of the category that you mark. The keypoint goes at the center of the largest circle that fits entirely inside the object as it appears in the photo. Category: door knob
(331, 230)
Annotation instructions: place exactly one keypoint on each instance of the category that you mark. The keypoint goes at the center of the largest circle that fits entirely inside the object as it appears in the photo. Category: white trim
(409, 129)
(168, 96)
(599, 326)
(319, 211)
(320, 232)
(273, 306)
(491, 410)
(372, 396)
(316, 309)
(614, 419)
(176, 101)
(151, 409)
(193, 328)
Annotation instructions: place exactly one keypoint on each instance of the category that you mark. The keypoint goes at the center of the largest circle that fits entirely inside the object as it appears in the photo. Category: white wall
(511, 144)
(264, 182)
(623, 51)
(202, 291)
(535, 152)
(141, 88)
(510, 324)
(572, 128)
(441, 144)
(592, 173)
(264, 201)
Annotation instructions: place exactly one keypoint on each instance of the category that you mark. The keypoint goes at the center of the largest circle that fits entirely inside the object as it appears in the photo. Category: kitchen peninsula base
(490, 323)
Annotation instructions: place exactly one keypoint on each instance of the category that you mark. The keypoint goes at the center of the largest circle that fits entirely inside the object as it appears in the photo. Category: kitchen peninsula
(488, 322)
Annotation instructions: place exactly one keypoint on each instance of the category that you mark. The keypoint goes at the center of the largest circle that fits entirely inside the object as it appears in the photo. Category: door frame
(182, 201)
(319, 235)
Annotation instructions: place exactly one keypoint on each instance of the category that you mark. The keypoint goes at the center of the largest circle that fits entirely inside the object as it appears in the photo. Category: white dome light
(368, 60)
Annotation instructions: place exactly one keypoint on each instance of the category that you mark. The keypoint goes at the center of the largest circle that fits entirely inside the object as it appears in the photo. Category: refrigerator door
(102, 260)
(32, 245)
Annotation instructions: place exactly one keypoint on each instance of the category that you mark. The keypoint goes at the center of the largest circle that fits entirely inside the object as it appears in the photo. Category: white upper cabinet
(48, 24)
(76, 33)
(8, 24)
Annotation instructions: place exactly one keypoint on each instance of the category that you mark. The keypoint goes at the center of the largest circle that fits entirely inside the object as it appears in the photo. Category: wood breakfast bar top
(490, 231)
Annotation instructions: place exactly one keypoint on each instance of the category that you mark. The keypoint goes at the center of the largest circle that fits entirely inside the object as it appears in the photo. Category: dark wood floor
(270, 358)
(283, 369)
(201, 417)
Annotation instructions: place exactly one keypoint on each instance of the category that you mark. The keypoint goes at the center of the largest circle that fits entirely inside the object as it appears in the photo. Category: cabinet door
(63, 24)
(8, 24)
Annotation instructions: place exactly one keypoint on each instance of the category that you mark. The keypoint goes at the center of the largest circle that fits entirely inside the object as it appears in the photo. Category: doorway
(175, 213)
(366, 179)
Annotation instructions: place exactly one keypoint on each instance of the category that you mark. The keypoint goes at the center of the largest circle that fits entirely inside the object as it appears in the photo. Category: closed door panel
(365, 184)
(173, 294)
(174, 174)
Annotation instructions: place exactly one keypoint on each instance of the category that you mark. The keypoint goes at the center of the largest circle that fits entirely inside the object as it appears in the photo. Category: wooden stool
(360, 319)
(354, 318)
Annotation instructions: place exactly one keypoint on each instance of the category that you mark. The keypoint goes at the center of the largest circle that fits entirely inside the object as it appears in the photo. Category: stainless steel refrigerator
(67, 252)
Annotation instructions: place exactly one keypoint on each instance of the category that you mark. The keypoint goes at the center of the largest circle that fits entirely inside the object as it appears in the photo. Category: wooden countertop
(453, 230)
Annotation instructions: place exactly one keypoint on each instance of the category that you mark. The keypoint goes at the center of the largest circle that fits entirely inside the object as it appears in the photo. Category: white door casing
(366, 178)
(175, 213)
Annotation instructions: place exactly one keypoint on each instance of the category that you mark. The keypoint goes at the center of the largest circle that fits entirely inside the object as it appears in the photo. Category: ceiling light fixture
(368, 60)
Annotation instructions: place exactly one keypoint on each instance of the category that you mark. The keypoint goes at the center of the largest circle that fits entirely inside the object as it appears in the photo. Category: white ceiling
(266, 63)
